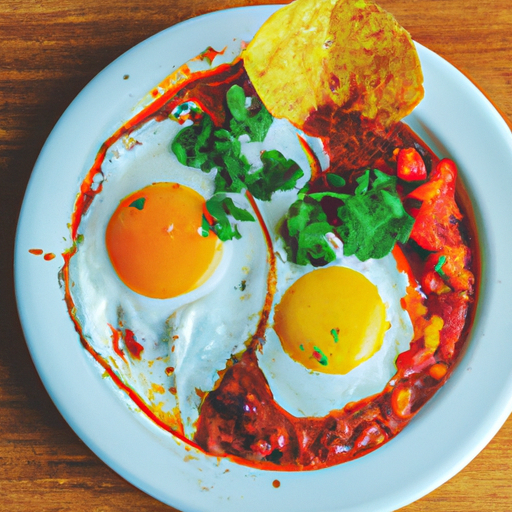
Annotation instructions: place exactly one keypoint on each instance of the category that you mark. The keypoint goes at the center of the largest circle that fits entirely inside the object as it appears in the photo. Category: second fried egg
(336, 333)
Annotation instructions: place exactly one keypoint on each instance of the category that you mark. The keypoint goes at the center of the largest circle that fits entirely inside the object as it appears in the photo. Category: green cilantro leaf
(373, 219)
(205, 227)
(304, 231)
(138, 203)
(235, 98)
(204, 147)
(277, 173)
(335, 180)
(236, 212)
(253, 120)
(439, 267)
(191, 145)
(232, 166)
(363, 184)
(209, 148)
(320, 356)
(221, 208)
(336, 195)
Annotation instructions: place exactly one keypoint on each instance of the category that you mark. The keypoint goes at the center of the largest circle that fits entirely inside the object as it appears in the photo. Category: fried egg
(143, 267)
(141, 256)
(336, 332)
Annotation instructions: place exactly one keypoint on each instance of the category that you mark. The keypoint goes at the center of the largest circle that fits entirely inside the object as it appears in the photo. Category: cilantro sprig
(369, 221)
(306, 226)
(276, 173)
(250, 117)
(220, 208)
(373, 219)
(204, 146)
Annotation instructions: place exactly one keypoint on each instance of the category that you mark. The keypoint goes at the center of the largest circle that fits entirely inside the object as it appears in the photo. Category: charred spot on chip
(355, 57)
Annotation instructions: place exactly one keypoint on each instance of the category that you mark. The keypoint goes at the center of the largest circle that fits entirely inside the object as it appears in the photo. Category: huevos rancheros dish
(266, 260)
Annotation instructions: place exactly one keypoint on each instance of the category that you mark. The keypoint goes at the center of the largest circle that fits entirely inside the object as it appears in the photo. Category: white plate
(453, 427)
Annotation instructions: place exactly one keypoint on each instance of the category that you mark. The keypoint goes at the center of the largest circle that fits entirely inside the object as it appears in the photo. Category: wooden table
(49, 50)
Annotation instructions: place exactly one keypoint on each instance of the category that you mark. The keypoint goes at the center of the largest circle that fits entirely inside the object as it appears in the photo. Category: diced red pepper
(453, 307)
(441, 182)
(410, 165)
(432, 282)
(133, 346)
(438, 370)
(401, 401)
(414, 360)
(438, 196)
(447, 268)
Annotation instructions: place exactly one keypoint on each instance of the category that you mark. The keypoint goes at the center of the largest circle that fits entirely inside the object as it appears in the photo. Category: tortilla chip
(349, 55)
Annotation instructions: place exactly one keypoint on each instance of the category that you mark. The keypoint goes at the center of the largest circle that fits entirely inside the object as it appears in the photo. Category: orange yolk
(331, 320)
(155, 244)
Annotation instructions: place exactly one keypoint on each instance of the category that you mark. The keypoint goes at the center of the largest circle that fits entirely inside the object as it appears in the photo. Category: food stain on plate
(47, 256)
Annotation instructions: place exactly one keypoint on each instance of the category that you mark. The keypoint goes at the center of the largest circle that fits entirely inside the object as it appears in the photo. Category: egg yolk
(155, 244)
(331, 320)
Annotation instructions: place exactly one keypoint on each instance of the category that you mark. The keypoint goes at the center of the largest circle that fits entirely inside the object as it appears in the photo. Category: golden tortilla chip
(347, 54)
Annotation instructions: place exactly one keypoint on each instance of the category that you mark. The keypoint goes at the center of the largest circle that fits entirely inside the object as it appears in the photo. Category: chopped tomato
(447, 270)
(410, 165)
(438, 196)
(453, 307)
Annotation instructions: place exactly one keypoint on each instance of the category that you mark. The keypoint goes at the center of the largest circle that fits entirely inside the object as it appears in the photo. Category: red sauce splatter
(132, 345)
(137, 399)
(116, 336)
(271, 278)
(276, 484)
(38, 252)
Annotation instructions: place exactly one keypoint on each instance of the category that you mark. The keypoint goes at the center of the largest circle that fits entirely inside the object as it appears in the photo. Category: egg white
(204, 334)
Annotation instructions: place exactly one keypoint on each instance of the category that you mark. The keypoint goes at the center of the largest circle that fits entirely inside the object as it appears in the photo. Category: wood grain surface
(49, 50)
